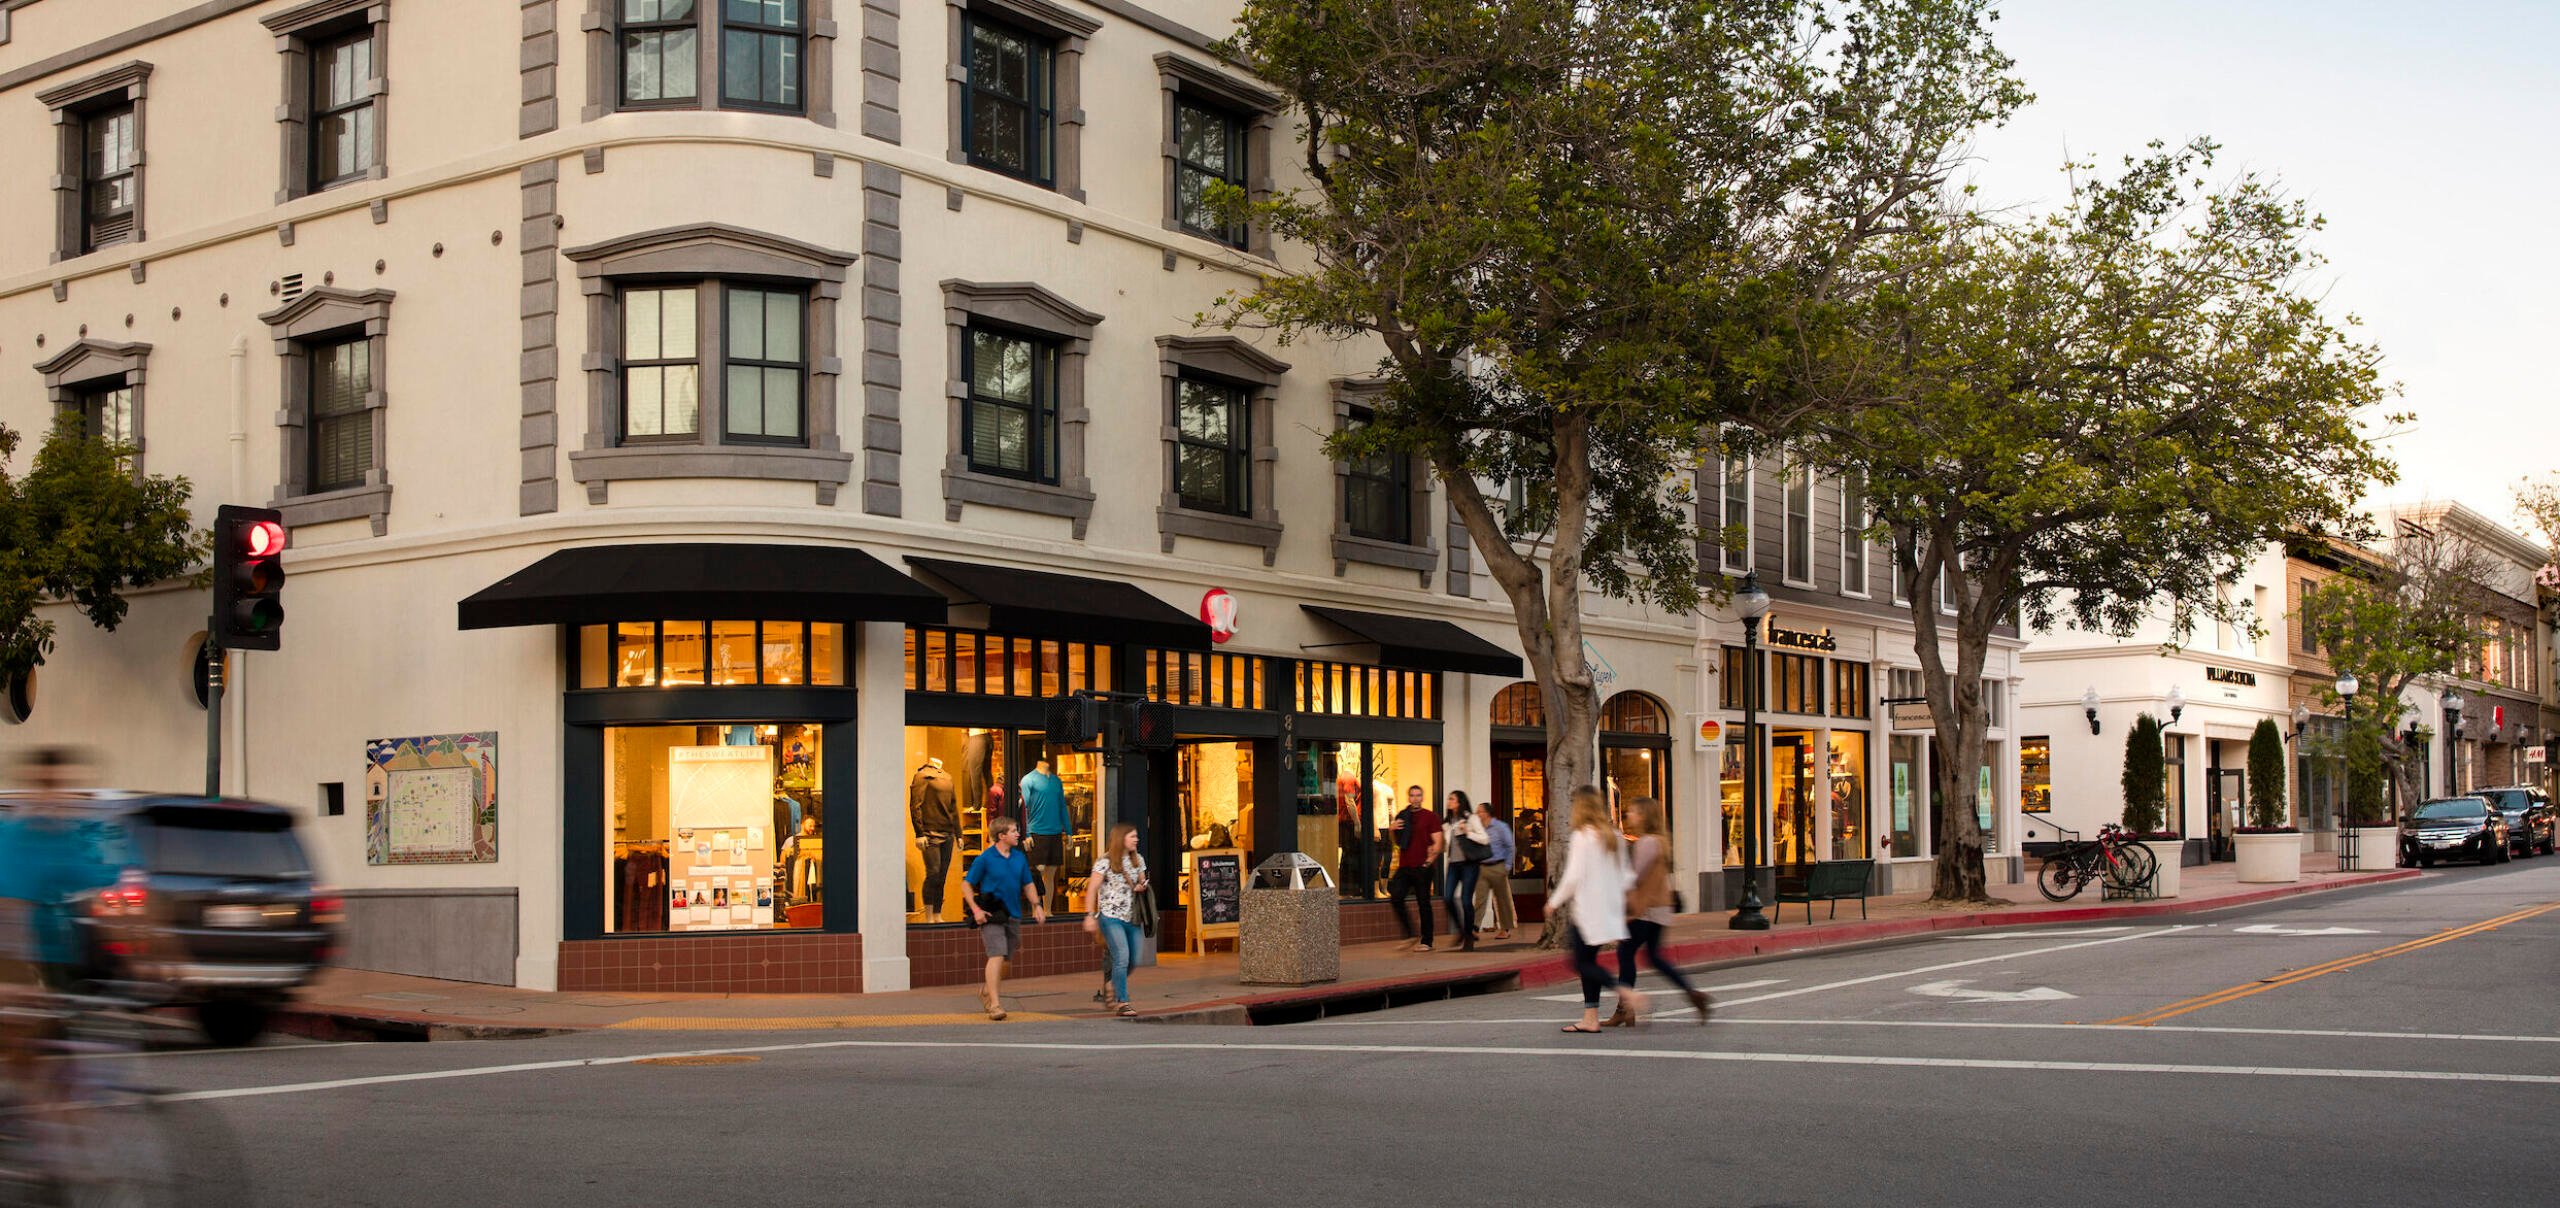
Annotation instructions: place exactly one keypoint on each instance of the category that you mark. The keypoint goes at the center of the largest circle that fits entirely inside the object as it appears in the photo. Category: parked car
(219, 907)
(2530, 824)
(2454, 828)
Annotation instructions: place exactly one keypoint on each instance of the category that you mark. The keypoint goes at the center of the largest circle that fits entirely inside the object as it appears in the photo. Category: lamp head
(2301, 718)
(2089, 706)
(2452, 702)
(2177, 701)
(1751, 602)
(2347, 684)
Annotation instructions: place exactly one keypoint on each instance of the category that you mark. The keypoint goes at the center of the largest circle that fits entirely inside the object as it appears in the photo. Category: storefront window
(1792, 784)
(960, 779)
(1731, 776)
(1634, 772)
(2035, 775)
(1348, 796)
(693, 654)
(987, 664)
(1795, 683)
(1849, 796)
(1732, 688)
(2174, 762)
(714, 827)
(1911, 795)
(1359, 690)
(1213, 788)
(1849, 689)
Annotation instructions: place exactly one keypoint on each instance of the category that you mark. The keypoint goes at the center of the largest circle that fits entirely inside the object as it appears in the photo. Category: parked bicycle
(2126, 866)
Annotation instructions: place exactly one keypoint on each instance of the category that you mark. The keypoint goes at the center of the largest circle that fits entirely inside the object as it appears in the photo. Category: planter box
(2377, 848)
(2171, 855)
(2270, 858)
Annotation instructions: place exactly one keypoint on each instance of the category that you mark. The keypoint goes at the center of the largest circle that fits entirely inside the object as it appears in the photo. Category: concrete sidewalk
(355, 1005)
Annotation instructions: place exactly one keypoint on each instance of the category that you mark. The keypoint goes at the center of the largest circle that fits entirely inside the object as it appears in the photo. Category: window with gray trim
(761, 54)
(106, 414)
(712, 355)
(341, 432)
(335, 90)
(101, 385)
(661, 43)
(98, 175)
(1377, 492)
(1011, 425)
(1016, 90)
(1208, 151)
(1382, 502)
(771, 56)
(333, 421)
(1217, 130)
(1212, 464)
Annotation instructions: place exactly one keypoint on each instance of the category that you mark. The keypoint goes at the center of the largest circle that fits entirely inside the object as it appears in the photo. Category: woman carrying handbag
(1117, 891)
(1649, 907)
(1464, 860)
(1594, 885)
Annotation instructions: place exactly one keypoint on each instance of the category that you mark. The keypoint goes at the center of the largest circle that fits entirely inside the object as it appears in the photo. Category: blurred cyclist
(52, 851)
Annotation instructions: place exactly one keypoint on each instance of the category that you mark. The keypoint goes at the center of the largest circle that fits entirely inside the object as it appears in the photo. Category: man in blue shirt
(1044, 818)
(1493, 884)
(1001, 884)
(53, 848)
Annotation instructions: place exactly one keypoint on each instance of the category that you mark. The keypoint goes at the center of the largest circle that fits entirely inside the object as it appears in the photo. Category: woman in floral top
(1118, 878)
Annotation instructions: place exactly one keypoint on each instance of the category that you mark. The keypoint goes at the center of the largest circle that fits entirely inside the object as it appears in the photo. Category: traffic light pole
(213, 676)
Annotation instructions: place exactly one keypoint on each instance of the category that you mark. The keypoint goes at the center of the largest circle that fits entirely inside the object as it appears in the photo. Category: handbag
(1142, 911)
(1473, 851)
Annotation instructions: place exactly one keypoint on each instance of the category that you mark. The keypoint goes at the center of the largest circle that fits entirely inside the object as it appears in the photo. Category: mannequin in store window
(977, 774)
(1044, 818)
(932, 810)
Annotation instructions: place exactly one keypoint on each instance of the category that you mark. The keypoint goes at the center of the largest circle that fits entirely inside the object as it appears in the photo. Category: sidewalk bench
(1830, 881)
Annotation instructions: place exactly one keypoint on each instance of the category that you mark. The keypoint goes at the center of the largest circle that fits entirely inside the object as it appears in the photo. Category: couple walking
(1618, 886)
(1004, 886)
(1467, 848)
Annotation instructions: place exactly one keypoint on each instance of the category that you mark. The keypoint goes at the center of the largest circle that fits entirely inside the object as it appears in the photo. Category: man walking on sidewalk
(1493, 886)
(1418, 842)
(1001, 886)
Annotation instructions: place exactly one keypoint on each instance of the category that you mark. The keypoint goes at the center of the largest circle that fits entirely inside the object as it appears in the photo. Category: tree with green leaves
(80, 527)
(2538, 501)
(2392, 620)
(2092, 416)
(2146, 777)
(2266, 775)
(1583, 232)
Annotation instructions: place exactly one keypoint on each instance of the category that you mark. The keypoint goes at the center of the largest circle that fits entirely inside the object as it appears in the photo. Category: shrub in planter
(2145, 778)
(2266, 780)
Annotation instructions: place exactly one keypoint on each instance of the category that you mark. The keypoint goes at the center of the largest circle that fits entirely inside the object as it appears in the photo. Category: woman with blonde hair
(1594, 885)
(1118, 878)
(1649, 906)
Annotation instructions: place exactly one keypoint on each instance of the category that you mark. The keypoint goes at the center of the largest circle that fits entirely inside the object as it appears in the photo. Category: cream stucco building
(746, 366)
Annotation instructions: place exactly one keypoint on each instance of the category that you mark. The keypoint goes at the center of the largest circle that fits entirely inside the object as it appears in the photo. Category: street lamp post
(2348, 856)
(1753, 604)
(2452, 743)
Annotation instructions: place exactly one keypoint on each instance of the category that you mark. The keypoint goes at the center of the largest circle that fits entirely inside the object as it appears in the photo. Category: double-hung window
(341, 427)
(1798, 482)
(106, 414)
(1010, 427)
(661, 364)
(760, 54)
(344, 116)
(1212, 464)
(110, 149)
(660, 52)
(1010, 101)
(1378, 494)
(1853, 533)
(1209, 149)
(1737, 513)
(767, 366)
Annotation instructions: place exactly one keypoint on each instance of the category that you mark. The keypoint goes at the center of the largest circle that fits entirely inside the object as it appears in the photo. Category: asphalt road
(2389, 1046)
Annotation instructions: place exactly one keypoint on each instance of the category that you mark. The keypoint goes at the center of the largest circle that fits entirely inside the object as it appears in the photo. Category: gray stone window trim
(320, 317)
(1257, 108)
(1234, 362)
(93, 365)
(604, 63)
(1421, 557)
(298, 31)
(71, 103)
(708, 253)
(1067, 31)
(1021, 306)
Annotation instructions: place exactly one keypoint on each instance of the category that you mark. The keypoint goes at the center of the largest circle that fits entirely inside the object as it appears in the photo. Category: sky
(2428, 135)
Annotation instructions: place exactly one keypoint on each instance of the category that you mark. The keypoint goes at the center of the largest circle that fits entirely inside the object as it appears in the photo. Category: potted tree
(2269, 850)
(2377, 841)
(2146, 781)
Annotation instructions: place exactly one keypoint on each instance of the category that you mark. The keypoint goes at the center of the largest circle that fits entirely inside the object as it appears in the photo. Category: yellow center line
(2245, 989)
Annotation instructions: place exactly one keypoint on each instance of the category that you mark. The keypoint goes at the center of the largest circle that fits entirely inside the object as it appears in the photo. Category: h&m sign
(1799, 639)
(2226, 675)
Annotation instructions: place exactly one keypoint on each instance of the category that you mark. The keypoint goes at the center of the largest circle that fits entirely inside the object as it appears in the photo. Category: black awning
(1049, 604)
(1422, 644)
(595, 584)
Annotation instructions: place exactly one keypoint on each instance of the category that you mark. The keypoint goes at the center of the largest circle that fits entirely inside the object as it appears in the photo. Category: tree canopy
(80, 526)
(2390, 621)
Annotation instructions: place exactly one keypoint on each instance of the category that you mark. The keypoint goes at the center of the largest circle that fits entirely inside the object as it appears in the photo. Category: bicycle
(2125, 865)
(73, 1132)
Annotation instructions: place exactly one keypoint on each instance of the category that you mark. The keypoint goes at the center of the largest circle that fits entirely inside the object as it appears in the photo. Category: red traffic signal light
(248, 578)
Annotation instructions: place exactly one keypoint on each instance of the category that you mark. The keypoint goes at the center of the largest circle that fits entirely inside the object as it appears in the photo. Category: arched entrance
(1519, 744)
(1635, 749)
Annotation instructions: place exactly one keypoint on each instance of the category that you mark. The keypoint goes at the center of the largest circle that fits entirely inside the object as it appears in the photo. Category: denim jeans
(937, 866)
(1458, 890)
(1121, 938)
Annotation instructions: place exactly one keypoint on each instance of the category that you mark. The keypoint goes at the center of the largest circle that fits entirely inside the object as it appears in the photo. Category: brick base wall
(953, 956)
(737, 963)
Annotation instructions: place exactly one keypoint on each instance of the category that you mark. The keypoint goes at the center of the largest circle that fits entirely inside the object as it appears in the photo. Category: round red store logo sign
(1218, 612)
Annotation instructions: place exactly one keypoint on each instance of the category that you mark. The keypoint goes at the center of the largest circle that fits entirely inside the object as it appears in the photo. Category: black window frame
(624, 28)
(90, 401)
(1043, 455)
(322, 110)
(797, 35)
(624, 363)
(1235, 454)
(1236, 125)
(320, 353)
(728, 360)
(92, 179)
(1040, 109)
(1395, 479)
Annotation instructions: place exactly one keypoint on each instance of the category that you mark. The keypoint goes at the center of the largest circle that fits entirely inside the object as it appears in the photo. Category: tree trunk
(1955, 701)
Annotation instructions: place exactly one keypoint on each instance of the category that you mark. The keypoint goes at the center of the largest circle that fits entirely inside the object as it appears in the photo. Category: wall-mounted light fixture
(2177, 702)
(2089, 705)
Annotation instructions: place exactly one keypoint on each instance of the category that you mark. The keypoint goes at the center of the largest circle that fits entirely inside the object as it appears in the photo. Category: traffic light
(1151, 726)
(1071, 720)
(248, 577)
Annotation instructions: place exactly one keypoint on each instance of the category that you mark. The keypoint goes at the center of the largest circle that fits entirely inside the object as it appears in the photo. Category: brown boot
(1622, 1018)
(1704, 1004)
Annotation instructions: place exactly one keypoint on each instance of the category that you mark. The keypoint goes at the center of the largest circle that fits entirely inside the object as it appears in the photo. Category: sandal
(1128, 1011)
(1581, 1029)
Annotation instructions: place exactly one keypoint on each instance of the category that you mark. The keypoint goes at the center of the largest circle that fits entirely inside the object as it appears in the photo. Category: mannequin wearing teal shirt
(1044, 819)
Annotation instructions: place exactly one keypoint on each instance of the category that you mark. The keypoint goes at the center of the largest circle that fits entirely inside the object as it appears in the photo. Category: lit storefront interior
(1817, 773)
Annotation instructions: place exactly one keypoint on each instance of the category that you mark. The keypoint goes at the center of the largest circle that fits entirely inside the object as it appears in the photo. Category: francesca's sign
(1914, 715)
(1801, 639)
(2226, 675)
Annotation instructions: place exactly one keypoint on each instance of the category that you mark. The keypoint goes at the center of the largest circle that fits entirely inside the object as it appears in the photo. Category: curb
(328, 1023)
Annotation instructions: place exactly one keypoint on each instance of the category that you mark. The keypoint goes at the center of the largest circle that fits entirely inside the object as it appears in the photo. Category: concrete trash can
(1290, 931)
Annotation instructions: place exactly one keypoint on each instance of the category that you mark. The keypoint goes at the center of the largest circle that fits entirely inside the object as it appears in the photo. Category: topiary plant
(2146, 777)
(2266, 776)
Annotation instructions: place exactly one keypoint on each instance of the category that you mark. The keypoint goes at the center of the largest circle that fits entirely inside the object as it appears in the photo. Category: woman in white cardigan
(1594, 885)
